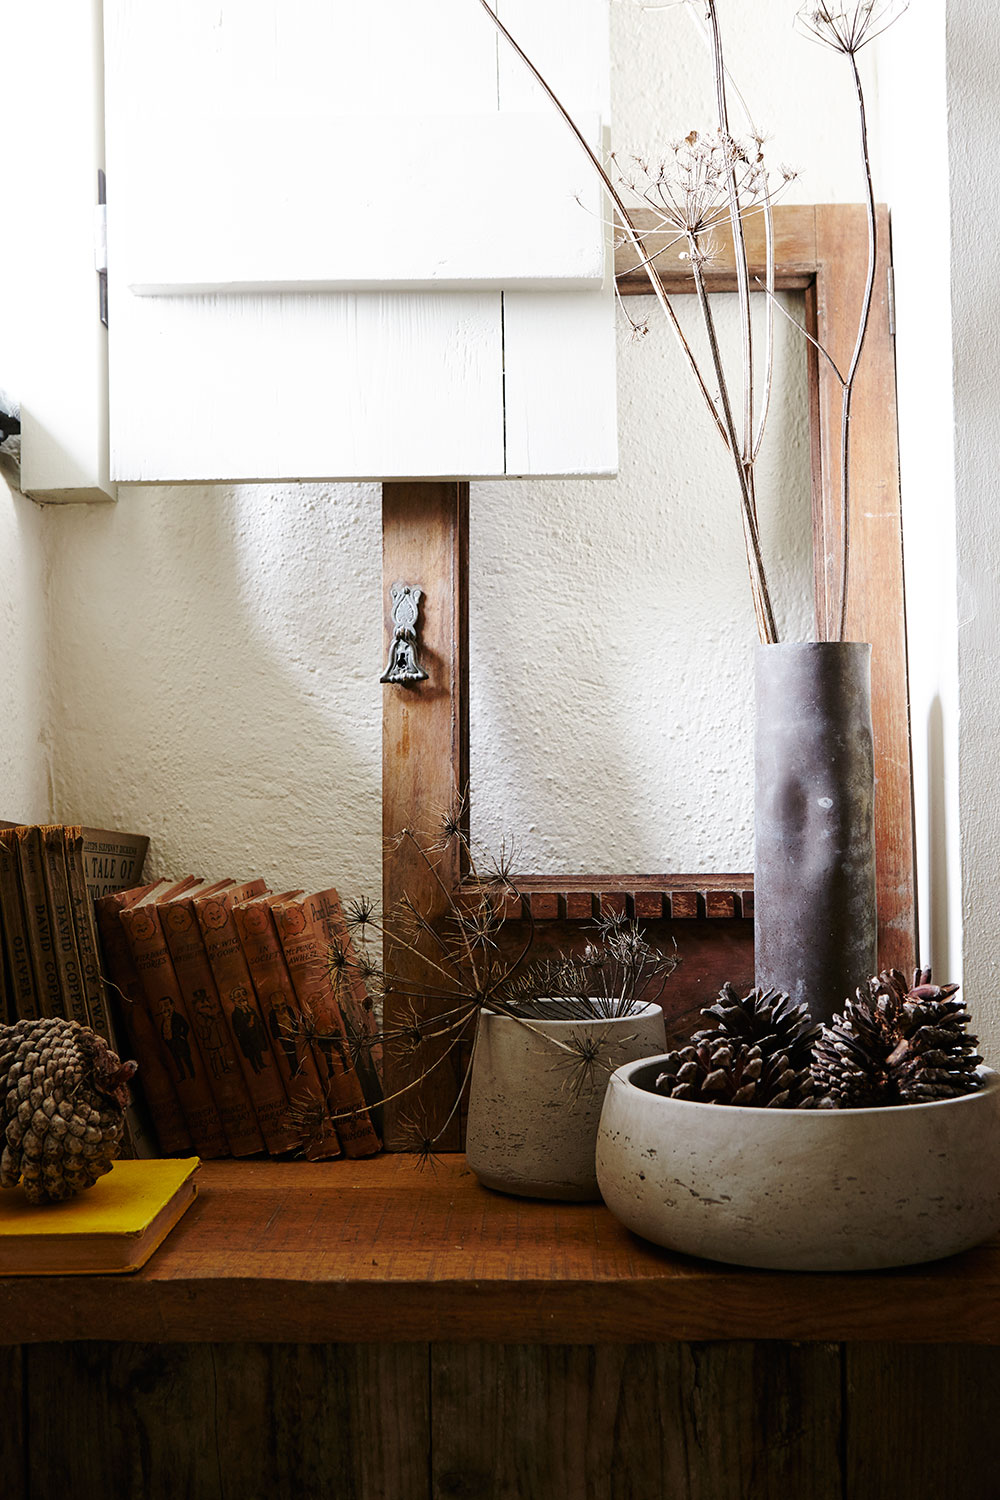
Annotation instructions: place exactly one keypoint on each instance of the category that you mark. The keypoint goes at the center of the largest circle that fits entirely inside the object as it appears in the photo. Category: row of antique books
(50, 876)
(249, 1037)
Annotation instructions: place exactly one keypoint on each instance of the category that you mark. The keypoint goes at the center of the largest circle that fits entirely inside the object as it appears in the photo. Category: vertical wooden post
(875, 598)
(425, 766)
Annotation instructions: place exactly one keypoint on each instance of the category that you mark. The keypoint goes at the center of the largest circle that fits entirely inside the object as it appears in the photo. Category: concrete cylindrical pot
(535, 1099)
(814, 815)
(801, 1190)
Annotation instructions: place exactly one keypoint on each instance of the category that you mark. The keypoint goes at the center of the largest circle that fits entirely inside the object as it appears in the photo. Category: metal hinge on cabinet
(101, 245)
(891, 288)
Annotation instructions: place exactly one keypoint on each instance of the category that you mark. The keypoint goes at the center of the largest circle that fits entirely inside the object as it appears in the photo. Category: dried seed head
(848, 27)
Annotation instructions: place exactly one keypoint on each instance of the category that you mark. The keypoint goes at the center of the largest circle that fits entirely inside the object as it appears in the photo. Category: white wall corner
(913, 107)
(973, 67)
(25, 683)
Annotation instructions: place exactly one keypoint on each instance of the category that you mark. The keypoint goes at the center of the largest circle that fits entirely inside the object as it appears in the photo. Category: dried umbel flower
(848, 28)
(442, 964)
(690, 187)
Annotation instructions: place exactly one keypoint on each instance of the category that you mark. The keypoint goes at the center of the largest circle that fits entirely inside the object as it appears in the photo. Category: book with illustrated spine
(167, 1013)
(123, 989)
(305, 932)
(288, 1027)
(201, 997)
(252, 1041)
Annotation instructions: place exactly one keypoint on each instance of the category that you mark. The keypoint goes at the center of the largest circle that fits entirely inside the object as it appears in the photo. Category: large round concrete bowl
(801, 1190)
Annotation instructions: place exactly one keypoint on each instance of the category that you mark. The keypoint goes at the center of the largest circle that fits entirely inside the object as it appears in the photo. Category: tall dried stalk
(846, 29)
(742, 452)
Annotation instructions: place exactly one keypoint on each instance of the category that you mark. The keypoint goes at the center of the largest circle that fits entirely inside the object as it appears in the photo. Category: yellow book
(112, 1227)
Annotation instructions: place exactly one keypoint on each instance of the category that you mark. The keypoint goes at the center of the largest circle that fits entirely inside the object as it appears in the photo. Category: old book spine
(38, 924)
(112, 861)
(306, 948)
(98, 1010)
(197, 984)
(61, 920)
(351, 991)
(172, 1024)
(286, 1026)
(251, 1038)
(6, 1004)
(23, 991)
(121, 977)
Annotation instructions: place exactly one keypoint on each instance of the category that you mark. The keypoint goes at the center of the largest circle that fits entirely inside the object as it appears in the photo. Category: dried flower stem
(761, 597)
(655, 281)
(739, 239)
(743, 453)
(848, 391)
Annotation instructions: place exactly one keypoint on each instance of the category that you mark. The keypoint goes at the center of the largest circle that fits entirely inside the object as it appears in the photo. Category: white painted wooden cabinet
(353, 241)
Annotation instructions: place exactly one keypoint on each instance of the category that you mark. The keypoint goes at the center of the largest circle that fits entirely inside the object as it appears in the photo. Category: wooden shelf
(380, 1251)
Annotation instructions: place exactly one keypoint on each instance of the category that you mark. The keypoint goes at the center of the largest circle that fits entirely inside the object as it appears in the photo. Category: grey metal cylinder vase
(536, 1095)
(815, 925)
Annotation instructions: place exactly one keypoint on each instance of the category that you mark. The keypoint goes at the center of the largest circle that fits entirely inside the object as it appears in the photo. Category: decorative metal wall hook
(403, 667)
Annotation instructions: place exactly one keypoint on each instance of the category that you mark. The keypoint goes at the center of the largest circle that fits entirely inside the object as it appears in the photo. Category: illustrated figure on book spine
(248, 1028)
(63, 1095)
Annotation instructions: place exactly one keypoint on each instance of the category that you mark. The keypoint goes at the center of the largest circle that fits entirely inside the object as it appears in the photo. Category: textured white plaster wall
(973, 80)
(216, 651)
(218, 663)
(912, 92)
(24, 743)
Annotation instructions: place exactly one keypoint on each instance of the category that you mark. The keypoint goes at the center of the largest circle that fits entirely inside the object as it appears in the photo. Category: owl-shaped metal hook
(403, 667)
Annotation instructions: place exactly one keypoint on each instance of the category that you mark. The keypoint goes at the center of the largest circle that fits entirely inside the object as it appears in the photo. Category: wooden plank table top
(382, 1251)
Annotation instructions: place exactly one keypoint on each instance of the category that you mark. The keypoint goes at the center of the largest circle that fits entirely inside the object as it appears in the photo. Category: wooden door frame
(822, 251)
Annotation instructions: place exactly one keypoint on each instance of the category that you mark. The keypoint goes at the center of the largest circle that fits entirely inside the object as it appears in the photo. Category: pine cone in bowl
(897, 1044)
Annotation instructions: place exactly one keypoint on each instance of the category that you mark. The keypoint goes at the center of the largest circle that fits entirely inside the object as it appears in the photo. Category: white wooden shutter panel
(53, 353)
(354, 241)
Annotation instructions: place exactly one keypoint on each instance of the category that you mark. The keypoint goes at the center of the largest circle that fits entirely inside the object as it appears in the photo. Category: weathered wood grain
(922, 1422)
(692, 1422)
(710, 953)
(375, 1251)
(875, 591)
(208, 1421)
(425, 754)
(794, 245)
(13, 1434)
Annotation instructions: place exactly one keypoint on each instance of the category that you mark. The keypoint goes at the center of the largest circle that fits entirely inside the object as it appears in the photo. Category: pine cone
(766, 1019)
(896, 1045)
(716, 1069)
(63, 1093)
